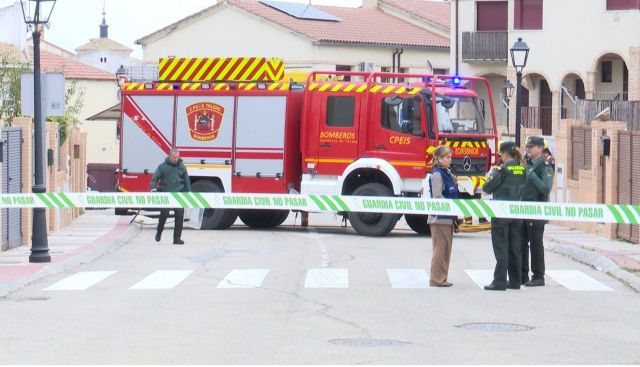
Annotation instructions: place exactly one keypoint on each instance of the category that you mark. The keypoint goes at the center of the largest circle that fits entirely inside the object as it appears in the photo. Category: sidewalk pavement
(98, 232)
(617, 258)
(90, 236)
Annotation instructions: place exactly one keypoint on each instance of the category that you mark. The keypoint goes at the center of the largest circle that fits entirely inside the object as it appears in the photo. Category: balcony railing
(485, 47)
(537, 118)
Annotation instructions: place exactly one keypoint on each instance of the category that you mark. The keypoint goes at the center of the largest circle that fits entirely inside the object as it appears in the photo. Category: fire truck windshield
(459, 115)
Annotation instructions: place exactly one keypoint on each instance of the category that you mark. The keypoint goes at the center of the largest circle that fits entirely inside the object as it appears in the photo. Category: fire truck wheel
(373, 224)
(418, 223)
(214, 218)
(263, 218)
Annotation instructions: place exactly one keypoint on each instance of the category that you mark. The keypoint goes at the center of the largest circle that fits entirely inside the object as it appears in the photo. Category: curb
(86, 256)
(597, 261)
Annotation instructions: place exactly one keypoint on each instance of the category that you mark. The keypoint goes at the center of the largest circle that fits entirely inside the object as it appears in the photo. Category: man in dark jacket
(171, 176)
(536, 188)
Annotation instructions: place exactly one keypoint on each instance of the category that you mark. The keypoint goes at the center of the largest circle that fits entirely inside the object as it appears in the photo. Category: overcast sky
(75, 22)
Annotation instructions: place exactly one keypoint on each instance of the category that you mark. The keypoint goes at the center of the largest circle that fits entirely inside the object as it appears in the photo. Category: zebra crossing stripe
(44, 199)
(162, 279)
(244, 278)
(481, 277)
(327, 278)
(576, 280)
(408, 278)
(80, 281)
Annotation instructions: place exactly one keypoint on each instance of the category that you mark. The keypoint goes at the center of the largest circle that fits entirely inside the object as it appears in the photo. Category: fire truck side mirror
(393, 101)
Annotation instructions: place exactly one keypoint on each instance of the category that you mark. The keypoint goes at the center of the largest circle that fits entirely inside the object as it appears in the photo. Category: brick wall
(56, 174)
(634, 73)
(597, 185)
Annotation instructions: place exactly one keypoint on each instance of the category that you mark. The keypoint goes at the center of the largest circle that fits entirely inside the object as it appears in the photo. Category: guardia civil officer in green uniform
(171, 176)
(505, 183)
(537, 187)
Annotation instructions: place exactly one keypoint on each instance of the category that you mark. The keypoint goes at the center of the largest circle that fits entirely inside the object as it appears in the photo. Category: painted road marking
(80, 281)
(576, 280)
(408, 278)
(244, 278)
(481, 277)
(162, 279)
(327, 278)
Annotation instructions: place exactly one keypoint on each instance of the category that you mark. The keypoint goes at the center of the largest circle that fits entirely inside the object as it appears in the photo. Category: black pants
(506, 237)
(179, 218)
(532, 233)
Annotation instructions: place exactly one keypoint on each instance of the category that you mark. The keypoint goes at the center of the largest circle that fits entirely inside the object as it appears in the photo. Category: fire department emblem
(204, 119)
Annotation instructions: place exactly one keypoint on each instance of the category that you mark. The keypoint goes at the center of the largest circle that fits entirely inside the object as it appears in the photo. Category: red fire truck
(241, 129)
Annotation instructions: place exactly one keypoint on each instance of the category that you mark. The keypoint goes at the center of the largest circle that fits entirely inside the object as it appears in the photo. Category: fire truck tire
(418, 223)
(214, 218)
(263, 218)
(373, 224)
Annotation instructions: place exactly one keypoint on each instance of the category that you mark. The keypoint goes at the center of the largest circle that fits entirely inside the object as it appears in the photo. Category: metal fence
(628, 111)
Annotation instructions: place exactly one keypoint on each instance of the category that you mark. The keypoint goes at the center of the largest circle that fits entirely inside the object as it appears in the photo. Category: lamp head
(37, 12)
(519, 54)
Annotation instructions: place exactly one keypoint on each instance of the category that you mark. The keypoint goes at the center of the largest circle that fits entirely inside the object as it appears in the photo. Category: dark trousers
(179, 221)
(533, 232)
(506, 237)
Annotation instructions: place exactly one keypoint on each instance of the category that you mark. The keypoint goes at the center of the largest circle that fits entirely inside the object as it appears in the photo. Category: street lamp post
(519, 55)
(36, 13)
(507, 93)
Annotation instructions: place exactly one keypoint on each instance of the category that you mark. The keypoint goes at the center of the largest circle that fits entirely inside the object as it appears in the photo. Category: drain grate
(368, 342)
(494, 327)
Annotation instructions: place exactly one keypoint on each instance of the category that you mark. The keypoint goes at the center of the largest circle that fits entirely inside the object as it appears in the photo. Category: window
(385, 69)
(527, 14)
(623, 4)
(402, 71)
(401, 115)
(491, 15)
(344, 68)
(441, 71)
(606, 75)
(458, 115)
(341, 111)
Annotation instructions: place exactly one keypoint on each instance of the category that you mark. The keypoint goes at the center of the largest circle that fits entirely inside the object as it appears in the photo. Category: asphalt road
(322, 295)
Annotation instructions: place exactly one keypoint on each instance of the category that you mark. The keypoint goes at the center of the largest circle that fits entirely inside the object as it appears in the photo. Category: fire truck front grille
(469, 166)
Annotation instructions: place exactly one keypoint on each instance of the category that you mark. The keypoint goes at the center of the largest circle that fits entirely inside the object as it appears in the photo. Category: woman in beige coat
(443, 184)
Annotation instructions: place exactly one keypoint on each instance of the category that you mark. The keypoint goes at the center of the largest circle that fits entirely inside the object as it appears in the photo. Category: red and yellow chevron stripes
(478, 181)
(360, 88)
(463, 144)
(203, 69)
(213, 86)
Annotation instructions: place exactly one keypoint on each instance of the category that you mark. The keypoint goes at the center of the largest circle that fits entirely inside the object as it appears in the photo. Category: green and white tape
(602, 213)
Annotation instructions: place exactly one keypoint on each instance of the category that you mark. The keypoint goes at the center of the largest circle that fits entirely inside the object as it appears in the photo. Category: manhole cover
(494, 327)
(368, 342)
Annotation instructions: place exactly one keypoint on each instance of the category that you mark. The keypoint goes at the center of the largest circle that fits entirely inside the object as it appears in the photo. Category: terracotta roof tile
(364, 25)
(438, 12)
(103, 44)
(72, 69)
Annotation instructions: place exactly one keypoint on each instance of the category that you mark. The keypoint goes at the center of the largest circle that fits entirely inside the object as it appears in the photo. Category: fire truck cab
(241, 129)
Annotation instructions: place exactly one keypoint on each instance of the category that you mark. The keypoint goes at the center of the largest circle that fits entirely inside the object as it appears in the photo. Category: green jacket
(505, 182)
(539, 180)
(172, 177)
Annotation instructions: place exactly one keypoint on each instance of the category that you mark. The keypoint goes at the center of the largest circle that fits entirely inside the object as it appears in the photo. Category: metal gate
(628, 181)
(11, 184)
(101, 177)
